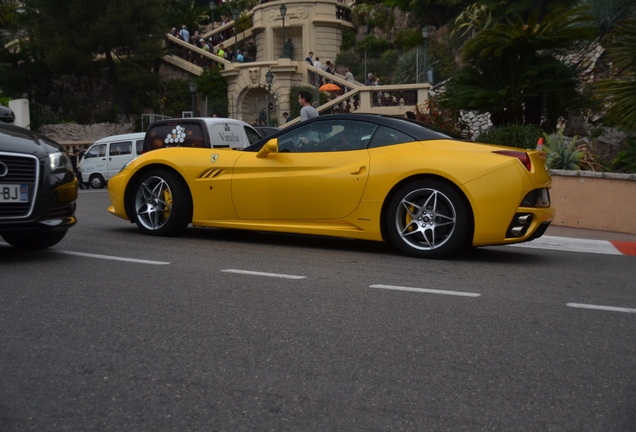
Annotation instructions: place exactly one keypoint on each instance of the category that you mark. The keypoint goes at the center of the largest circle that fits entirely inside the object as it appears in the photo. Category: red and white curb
(605, 247)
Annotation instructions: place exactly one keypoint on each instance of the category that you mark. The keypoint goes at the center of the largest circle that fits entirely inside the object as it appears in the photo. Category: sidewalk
(583, 240)
(560, 231)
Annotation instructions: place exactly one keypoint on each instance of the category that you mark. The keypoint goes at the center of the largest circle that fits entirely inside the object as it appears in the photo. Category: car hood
(19, 140)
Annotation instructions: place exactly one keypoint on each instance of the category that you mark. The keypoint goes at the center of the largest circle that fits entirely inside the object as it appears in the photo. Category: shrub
(626, 160)
(562, 155)
(176, 97)
(348, 40)
(408, 38)
(444, 118)
(372, 44)
(520, 136)
(351, 61)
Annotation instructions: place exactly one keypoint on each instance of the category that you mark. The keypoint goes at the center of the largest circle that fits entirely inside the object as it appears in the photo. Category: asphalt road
(221, 330)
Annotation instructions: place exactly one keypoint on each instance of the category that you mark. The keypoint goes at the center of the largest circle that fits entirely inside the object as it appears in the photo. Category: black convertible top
(419, 131)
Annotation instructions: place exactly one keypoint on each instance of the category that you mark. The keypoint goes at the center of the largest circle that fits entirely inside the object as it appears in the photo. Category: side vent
(211, 173)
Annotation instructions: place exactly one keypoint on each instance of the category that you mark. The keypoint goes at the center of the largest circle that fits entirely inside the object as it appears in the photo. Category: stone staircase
(246, 80)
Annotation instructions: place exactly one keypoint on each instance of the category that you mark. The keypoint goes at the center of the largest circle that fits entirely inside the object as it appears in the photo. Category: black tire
(32, 241)
(162, 204)
(96, 181)
(428, 219)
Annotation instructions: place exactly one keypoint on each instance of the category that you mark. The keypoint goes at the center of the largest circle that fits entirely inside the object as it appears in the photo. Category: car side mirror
(6, 115)
(270, 146)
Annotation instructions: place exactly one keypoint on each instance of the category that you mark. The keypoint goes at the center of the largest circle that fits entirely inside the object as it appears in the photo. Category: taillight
(522, 156)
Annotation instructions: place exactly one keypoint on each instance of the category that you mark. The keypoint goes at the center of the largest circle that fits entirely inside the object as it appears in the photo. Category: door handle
(359, 171)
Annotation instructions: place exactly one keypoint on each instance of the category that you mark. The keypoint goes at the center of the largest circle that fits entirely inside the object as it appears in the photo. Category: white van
(107, 157)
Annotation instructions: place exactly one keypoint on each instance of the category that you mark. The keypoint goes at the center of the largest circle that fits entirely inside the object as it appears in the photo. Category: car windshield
(327, 136)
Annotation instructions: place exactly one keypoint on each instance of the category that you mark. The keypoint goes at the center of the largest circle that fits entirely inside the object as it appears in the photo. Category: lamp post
(426, 33)
(283, 12)
(212, 7)
(235, 17)
(193, 91)
(269, 77)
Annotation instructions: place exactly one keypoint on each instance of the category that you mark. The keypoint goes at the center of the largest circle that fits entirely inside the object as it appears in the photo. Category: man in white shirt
(317, 63)
(307, 111)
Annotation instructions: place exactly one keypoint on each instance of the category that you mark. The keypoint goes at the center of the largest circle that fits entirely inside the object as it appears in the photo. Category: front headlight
(60, 163)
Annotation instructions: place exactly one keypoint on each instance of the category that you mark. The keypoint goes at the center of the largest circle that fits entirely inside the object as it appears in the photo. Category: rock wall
(67, 133)
(477, 123)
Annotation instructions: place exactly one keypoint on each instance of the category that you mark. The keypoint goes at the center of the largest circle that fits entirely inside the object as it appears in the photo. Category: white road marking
(607, 308)
(428, 291)
(109, 257)
(571, 245)
(253, 273)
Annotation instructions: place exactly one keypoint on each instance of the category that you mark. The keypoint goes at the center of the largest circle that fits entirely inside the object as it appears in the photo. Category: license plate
(14, 193)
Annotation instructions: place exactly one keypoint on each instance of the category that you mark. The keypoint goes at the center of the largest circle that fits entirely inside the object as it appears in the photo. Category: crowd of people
(213, 41)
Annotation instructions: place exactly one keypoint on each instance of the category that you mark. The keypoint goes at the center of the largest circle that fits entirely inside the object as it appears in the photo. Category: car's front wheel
(33, 241)
(162, 203)
(428, 219)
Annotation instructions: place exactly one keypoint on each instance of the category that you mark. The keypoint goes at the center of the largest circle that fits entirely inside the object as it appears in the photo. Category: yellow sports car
(369, 177)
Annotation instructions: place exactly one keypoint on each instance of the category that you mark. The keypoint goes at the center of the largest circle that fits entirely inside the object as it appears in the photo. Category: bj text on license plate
(14, 193)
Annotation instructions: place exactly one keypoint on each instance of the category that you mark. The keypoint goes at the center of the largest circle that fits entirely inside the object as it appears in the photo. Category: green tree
(244, 23)
(76, 34)
(476, 17)
(106, 51)
(609, 14)
(8, 12)
(213, 86)
(513, 70)
(190, 15)
(23, 71)
(174, 96)
(620, 93)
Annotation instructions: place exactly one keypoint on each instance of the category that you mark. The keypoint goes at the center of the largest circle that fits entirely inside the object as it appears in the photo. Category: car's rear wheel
(162, 203)
(33, 241)
(428, 219)
(97, 181)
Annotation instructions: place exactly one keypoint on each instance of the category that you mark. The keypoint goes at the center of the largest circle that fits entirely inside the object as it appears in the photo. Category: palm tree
(243, 23)
(608, 14)
(190, 15)
(513, 70)
(474, 18)
(620, 93)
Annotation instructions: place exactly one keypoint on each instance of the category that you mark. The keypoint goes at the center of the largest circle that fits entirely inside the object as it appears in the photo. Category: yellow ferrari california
(369, 177)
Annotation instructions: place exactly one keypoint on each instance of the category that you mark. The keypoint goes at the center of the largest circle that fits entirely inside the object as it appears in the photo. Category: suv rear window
(182, 134)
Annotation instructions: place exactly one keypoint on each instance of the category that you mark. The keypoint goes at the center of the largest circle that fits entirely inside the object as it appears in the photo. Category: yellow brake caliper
(167, 197)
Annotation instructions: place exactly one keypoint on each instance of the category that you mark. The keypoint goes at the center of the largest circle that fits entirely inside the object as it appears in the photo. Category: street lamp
(212, 7)
(193, 90)
(269, 77)
(235, 17)
(283, 12)
(426, 33)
